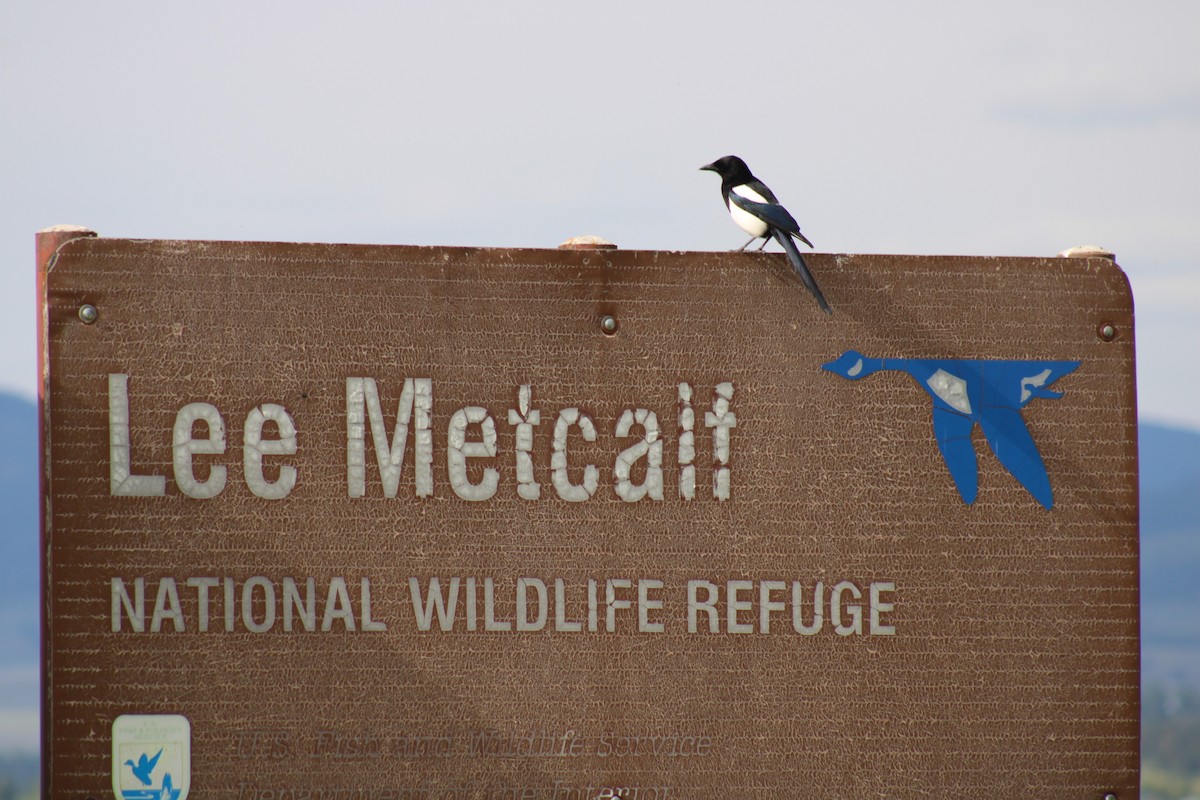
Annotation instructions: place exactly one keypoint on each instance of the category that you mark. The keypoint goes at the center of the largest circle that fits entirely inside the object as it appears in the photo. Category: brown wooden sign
(357, 523)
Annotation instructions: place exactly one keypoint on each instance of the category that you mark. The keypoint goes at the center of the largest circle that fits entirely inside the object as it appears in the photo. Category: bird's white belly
(745, 220)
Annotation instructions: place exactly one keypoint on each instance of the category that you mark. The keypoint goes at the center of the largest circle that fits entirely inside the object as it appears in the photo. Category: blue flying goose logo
(143, 770)
(144, 767)
(980, 392)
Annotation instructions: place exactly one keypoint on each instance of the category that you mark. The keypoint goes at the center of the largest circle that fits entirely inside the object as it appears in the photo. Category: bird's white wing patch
(742, 190)
(745, 220)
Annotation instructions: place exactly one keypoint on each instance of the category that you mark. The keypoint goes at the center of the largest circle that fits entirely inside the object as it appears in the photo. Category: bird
(970, 392)
(757, 211)
(144, 767)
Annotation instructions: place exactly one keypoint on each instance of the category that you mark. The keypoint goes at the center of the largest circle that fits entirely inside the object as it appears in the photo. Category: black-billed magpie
(756, 210)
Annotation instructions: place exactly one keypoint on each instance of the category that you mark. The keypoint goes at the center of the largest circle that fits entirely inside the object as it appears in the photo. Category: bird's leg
(764, 242)
(747, 244)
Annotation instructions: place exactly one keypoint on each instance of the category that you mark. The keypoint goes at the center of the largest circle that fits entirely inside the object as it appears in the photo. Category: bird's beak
(709, 167)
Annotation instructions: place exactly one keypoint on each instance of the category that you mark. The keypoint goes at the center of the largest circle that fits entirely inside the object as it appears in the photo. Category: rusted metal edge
(49, 241)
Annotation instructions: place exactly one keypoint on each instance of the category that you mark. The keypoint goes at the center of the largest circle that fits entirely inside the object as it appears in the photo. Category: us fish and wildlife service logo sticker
(152, 756)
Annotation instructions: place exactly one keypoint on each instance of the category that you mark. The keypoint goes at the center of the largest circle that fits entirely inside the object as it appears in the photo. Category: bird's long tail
(793, 253)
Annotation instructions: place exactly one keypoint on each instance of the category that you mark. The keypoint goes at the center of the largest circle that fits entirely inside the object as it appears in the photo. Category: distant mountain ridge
(1170, 554)
(18, 499)
(19, 566)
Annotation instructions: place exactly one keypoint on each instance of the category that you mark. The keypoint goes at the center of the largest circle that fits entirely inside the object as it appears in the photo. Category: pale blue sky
(1015, 129)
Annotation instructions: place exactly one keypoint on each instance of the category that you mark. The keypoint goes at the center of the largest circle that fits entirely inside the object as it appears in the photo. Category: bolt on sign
(365, 522)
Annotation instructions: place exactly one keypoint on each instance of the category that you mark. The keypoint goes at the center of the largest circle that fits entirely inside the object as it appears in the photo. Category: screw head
(88, 313)
(1109, 796)
(1107, 331)
(608, 324)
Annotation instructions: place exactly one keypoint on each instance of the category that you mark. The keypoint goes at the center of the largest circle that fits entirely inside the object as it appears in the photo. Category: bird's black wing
(773, 214)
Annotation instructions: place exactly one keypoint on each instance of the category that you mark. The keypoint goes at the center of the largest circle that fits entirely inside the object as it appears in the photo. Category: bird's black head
(729, 167)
